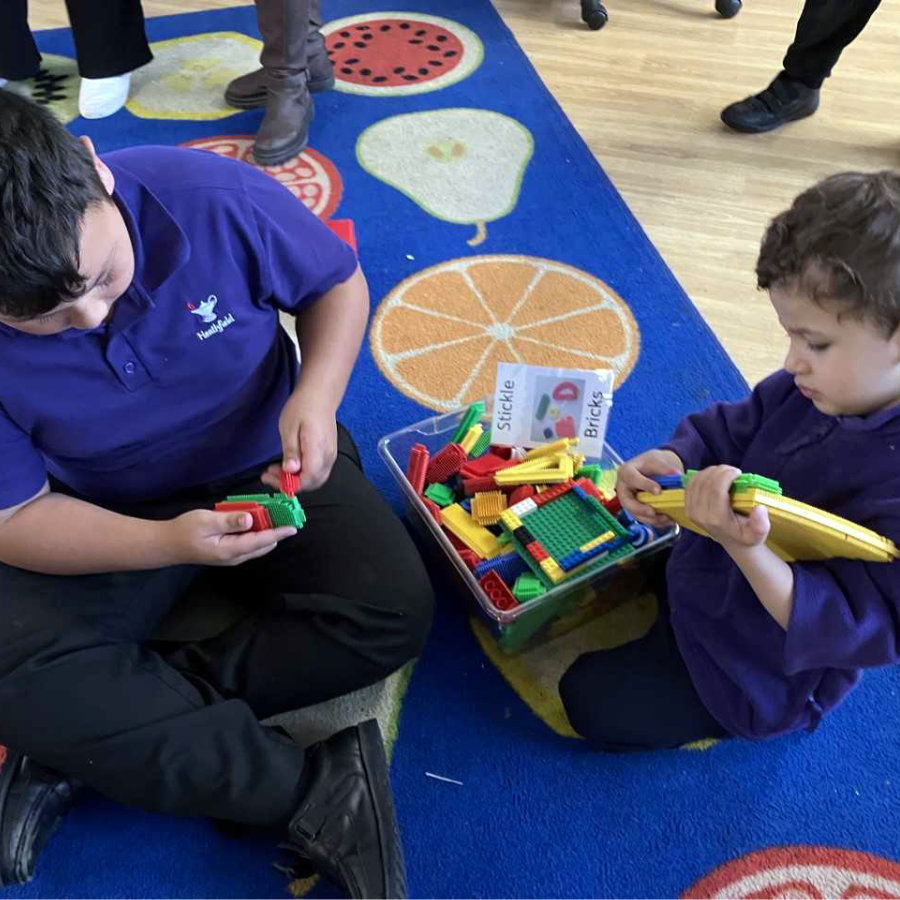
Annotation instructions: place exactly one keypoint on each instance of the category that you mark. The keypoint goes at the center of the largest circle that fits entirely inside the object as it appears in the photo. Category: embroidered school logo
(206, 311)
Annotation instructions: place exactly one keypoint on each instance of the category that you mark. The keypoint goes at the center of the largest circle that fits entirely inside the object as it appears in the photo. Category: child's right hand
(207, 538)
(632, 479)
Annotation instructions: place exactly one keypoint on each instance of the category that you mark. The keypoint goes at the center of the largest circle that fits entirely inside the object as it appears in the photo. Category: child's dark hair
(840, 242)
(47, 182)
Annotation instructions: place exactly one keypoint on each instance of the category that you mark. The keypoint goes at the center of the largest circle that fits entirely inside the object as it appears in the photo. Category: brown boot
(249, 91)
(284, 131)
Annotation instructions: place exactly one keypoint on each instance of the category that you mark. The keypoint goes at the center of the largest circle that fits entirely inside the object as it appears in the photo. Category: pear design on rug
(459, 165)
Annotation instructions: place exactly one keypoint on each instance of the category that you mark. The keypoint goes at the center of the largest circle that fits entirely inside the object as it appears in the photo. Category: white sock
(2, 82)
(101, 97)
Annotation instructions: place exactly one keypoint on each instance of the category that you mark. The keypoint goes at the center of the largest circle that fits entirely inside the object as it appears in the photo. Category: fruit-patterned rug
(488, 232)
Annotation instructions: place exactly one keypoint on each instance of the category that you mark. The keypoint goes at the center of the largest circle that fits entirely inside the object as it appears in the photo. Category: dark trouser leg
(109, 36)
(340, 606)
(81, 695)
(825, 28)
(19, 57)
(638, 696)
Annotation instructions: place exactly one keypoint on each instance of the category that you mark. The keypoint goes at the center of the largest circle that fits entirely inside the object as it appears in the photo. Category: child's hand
(707, 504)
(632, 479)
(309, 441)
(207, 538)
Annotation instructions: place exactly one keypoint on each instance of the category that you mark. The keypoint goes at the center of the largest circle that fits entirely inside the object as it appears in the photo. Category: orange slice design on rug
(389, 54)
(802, 871)
(438, 335)
(311, 177)
(188, 76)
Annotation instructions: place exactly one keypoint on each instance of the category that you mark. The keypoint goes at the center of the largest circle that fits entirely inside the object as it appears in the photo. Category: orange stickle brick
(487, 507)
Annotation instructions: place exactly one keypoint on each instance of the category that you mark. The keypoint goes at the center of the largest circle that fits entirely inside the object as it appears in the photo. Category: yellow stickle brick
(459, 523)
(510, 520)
(560, 446)
(488, 506)
(554, 572)
(471, 437)
(596, 542)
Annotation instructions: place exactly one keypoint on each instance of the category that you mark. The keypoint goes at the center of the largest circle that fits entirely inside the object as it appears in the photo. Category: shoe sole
(743, 129)
(254, 101)
(17, 875)
(375, 763)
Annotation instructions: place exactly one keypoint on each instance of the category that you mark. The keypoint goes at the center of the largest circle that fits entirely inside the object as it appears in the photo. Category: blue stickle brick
(626, 518)
(509, 567)
(668, 482)
(466, 504)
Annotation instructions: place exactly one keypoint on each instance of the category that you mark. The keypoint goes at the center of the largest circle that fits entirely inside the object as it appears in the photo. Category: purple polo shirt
(186, 381)
(757, 679)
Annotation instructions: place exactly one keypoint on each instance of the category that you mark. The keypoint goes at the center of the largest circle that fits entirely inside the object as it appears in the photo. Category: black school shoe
(345, 826)
(784, 100)
(33, 801)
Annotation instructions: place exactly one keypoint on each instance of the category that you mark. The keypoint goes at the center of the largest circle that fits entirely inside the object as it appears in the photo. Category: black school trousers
(109, 38)
(174, 726)
(825, 28)
(638, 696)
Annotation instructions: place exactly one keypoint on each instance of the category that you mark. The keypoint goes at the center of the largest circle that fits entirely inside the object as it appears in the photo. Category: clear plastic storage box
(558, 610)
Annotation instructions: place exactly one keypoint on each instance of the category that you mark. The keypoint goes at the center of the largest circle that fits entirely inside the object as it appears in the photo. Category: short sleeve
(22, 470)
(303, 257)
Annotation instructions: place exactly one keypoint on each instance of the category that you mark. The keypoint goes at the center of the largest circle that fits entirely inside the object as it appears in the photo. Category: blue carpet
(536, 814)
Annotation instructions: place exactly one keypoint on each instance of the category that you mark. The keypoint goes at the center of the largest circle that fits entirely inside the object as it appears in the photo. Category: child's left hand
(707, 504)
(309, 441)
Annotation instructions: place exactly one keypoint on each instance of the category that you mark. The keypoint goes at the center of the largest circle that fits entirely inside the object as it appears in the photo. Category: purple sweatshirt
(757, 679)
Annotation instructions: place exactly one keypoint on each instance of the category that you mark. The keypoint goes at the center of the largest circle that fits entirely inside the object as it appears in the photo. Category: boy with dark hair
(143, 377)
(745, 643)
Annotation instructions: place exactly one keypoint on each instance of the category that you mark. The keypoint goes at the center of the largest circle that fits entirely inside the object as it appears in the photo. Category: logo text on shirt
(206, 311)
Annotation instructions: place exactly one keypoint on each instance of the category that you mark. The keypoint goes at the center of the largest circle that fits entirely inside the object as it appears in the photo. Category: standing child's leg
(638, 696)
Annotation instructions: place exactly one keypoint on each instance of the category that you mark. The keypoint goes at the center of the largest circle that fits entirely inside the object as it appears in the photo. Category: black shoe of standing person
(784, 100)
(345, 825)
(33, 801)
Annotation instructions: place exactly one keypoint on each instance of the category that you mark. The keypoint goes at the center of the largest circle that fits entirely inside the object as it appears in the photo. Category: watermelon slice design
(311, 177)
(386, 54)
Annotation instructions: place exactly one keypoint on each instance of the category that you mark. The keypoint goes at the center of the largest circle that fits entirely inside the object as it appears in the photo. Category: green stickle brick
(481, 444)
(473, 415)
(282, 510)
(564, 525)
(746, 481)
(594, 471)
(503, 538)
(527, 587)
(442, 494)
(285, 510)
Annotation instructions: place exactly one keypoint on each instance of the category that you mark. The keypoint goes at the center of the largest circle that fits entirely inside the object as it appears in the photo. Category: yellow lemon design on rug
(459, 165)
(188, 76)
(55, 86)
(438, 336)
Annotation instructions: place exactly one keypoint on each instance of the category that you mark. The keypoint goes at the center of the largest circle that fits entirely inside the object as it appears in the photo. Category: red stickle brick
(537, 552)
(433, 508)
(552, 493)
(236, 506)
(417, 467)
(470, 558)
(522, 492)
(498, 593)
(445, 464)
(485, 465)
(290, 483)
(261, 519)
(477, 485)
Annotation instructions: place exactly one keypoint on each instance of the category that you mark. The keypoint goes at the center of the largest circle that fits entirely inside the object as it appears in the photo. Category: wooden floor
(645, 93)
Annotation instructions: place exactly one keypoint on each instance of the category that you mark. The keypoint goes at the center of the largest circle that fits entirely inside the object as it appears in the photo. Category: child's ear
(106, 176)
